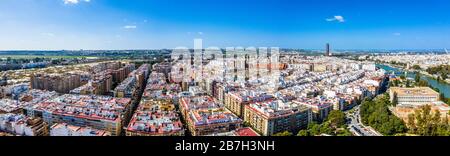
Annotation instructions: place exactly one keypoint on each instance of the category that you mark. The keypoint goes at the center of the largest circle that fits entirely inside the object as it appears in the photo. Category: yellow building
(235, 104)
(236, 101)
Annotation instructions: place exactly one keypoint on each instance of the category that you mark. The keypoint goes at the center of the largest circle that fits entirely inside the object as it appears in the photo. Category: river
(443, 87)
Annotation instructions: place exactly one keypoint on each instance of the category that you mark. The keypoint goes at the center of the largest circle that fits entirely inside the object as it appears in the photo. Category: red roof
(246, 132)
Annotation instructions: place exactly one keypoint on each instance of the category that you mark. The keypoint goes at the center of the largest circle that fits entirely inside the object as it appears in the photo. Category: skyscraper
(327, 53)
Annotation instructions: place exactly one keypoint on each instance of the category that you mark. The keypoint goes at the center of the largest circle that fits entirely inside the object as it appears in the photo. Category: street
(356, 126)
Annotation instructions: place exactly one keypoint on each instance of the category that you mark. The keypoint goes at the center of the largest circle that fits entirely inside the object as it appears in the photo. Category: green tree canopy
(416, 67)
(336, 118)
(403, 77)
(376, 114)
(417, 78)
(426, 122)
(395, 100)
(285, 133)
(423, 83)
(303, 133)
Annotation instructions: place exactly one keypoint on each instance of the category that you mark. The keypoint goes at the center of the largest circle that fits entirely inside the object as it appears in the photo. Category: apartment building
(272, 117)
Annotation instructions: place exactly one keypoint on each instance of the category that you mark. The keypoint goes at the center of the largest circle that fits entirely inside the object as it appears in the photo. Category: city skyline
(101, 24)
(224, 76)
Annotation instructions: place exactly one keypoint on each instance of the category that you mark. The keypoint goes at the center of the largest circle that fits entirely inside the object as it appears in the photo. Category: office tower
(328, 52)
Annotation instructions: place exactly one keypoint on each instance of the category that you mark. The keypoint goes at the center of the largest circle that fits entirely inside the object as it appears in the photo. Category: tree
(408, 83)
(435, 121)
(246, 124)
(417, 78)
(442, 97)
(398, 125)
(442, 69)
(391, 84)
(303, 133)
(314, 128)
(423, 83)
(395, 100)
(444, 76)
(336, 118)
(435, 89)
(430, 123)
(375, 113)
(444, 127)
(403, 77)
(396, 83)
(344, 132)
(333, 125)
(285, 133)
(393, 62)
(424, 118)
(412, 123)
(416, 67)
(326, 128)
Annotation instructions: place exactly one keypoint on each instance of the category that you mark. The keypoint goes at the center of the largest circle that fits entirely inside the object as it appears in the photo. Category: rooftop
(8, 105)
(155, 122)
(199, 102)
(61, 129)
(156, 117)
(247, 131)
(318, 102)
(36, 96)
(212, 116)
(276, 108)
(251, 95)
(126, 84)
(17, 124)
(86, 106)
(418, 91)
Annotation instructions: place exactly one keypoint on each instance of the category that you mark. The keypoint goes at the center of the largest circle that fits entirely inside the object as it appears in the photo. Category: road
(356, 126)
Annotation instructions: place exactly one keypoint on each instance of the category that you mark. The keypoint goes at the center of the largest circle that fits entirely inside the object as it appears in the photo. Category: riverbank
(444, 87)
(447, 81)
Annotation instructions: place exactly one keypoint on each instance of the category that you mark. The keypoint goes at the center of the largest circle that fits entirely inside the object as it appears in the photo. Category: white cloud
(130, 27)
(200, 33)
(70, 1)
(336, 18)
(75, 1)
(397, 34)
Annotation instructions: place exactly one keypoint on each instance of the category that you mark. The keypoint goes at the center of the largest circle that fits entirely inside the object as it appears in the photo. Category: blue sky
(154, 24)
